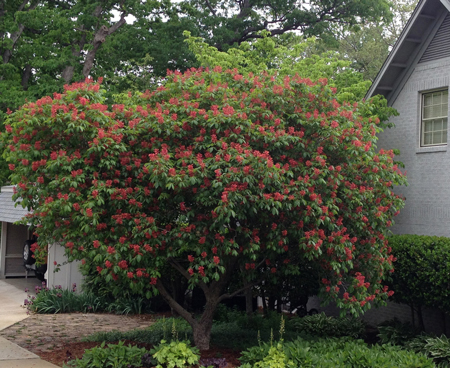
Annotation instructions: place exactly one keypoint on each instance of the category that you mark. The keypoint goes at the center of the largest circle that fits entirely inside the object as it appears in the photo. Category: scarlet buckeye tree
(211, 173)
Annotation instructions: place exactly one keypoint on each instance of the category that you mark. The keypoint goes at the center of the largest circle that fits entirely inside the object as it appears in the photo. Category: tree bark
(26, 74)
(202, 328)
(99, 38)
(248, 299)
(7, 54)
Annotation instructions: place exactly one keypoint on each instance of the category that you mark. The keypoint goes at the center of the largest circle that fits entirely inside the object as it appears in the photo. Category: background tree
(368, 46)
(212, 172)
(225, 23)
(45, 44)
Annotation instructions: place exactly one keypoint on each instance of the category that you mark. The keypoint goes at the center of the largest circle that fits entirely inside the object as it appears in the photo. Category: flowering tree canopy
(211, 173)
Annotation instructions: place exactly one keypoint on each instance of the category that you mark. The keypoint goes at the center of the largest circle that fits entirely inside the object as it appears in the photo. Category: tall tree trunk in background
(15, 36)
(26, 74)
(99, 38)
(248, 299)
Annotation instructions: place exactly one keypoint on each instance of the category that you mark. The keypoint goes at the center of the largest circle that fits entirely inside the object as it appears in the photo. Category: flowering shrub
(211, 173)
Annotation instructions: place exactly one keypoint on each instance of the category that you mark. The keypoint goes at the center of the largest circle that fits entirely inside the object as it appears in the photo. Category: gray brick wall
(427, 209)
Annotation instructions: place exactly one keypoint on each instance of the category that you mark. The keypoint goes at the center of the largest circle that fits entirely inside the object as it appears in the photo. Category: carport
(12, 236)
(12, 242)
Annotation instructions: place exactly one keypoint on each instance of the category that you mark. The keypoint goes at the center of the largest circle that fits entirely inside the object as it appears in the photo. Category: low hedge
(422, 269)
(331, 353)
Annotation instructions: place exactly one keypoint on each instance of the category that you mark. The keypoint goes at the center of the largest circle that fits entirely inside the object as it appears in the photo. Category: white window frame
(423, 120)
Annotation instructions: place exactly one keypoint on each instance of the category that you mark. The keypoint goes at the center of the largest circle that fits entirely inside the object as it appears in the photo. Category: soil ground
(57, 337)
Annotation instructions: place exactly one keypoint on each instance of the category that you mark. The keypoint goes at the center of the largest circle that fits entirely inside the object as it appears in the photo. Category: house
(415, 80)
(13, 238)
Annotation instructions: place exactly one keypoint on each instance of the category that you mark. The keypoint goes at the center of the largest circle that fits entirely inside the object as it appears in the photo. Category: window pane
(434, 118)
(437, 137)
(437, 98)
(437, 125)
(428, 126)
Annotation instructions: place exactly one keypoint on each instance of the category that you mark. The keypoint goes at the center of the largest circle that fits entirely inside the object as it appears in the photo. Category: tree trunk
(26, 74)
(99, 38)
(444, 322)
(249, 302)
(202, 330)
(279, 305)
(420, 315)
(67, 73)
(248, 297)
(264, 300)
(272, 303)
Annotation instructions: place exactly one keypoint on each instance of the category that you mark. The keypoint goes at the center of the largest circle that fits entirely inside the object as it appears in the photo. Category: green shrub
(421, 271)
(396, 332)
(114, 356)
(58, 300)
(436, 348)
(335, 353)
(321, 325)
(405, 335)
(177, 354)
(160, 330)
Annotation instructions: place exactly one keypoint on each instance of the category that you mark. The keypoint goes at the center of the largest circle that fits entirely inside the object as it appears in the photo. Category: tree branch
(99, 38)
(16, 35)
(186, 274)
(208, 4)
(173, 303)
(251, 284)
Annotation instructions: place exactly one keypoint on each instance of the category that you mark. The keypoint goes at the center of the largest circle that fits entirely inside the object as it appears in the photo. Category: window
(434, 118)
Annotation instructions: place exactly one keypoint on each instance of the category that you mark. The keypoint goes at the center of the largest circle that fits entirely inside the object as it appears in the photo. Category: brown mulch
(56, 338)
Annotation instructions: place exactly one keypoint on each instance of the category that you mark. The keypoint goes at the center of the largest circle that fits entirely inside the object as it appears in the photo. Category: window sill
(442, 148)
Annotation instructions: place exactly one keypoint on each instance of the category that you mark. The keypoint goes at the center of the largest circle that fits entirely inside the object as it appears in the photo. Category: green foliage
(275, 358)
(408, 337)
(227, 23)
(332, 353)
(176, 354)
(111, 356)
(436, 348)
(396, 332)
(322, 325)
(421, 270)
(59, 300)
(160, 330)
(265, 53)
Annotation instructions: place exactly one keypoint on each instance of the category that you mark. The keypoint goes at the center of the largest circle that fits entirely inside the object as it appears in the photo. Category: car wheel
(313, 311)
(39, 275)
(27, 253)
(40, 272)
(301, 311)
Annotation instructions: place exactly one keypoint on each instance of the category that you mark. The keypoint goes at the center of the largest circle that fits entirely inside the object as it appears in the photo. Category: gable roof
(9, 212)
(419, 41)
